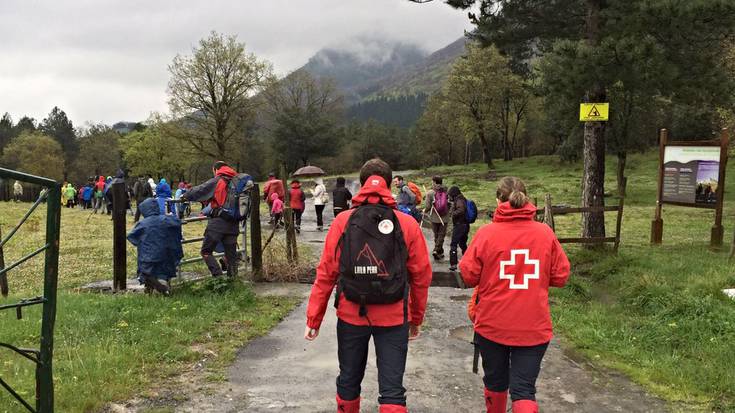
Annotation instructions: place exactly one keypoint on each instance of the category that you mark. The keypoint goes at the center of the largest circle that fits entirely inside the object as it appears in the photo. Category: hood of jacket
(454, 192)
(226, 171)
(149, 208)
(374, 191)
(506, 213)
(274, 196)
(295, 185)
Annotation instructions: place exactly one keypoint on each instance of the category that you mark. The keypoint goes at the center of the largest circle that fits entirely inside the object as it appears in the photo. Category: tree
(25, 124)
(99, 153)
(477, 84)
(691, 36)
(36, 154)
(6, 131)
(212, 91)
(304, 113)
(439, 136)
(58, 126)
(154, 152)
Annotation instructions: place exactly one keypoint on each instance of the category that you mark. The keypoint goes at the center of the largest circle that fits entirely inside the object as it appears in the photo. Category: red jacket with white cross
(513, 261)
(327, 273)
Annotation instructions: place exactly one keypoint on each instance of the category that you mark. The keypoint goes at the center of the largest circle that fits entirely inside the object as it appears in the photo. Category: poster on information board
(691, 174)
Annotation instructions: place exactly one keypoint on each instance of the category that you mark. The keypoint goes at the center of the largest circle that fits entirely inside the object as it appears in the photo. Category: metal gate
(42, 356)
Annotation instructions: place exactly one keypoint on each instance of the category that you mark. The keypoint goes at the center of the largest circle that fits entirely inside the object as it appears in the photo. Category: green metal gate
(42, 357)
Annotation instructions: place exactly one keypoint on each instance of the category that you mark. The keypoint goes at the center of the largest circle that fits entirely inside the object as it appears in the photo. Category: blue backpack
(237, 205)
(470, 211)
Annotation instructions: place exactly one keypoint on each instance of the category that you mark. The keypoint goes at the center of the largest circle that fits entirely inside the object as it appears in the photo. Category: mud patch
(464, 333)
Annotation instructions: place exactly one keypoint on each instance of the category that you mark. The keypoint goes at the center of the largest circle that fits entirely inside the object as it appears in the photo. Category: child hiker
(276, 209)
(158, 238)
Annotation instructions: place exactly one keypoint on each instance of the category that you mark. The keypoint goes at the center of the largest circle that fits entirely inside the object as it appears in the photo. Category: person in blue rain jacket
(158, 239)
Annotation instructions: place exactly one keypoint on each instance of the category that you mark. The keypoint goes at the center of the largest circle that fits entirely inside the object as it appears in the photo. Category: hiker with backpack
(296, 200)
(512, 263)
(378, 259)
(460, 225)
(436, 210)
(141, 192)
(341, 197)
(408, 197)
(225, 194)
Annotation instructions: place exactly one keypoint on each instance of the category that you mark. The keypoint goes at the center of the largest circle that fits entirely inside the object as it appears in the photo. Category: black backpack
(372, 265)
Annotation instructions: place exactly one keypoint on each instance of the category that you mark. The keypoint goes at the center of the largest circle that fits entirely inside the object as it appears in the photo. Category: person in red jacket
(273, 186)
(297, 197)
(513, 262)
(390, 325)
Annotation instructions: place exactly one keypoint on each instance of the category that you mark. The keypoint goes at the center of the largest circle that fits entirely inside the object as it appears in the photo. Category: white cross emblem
(512, 262)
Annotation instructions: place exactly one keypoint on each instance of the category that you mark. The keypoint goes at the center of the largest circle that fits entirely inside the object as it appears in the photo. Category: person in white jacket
(321, 198)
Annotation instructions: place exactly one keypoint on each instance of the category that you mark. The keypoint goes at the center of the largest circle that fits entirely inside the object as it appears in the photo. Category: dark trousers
(211, 239)
(297, 213)
(337, 211)
(391, 347)
(460, 233)
(513, 367)
(440, 231)
(319, 215)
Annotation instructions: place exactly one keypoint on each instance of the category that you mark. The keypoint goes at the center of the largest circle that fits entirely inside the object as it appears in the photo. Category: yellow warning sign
(593, 112)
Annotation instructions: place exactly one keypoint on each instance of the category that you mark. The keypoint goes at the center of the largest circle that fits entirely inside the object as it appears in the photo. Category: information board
(690, 174)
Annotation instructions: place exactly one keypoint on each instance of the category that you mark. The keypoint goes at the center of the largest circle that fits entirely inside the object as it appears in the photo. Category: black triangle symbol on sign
(594, 113)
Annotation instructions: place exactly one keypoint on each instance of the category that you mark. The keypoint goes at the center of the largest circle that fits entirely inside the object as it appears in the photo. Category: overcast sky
(105, 60)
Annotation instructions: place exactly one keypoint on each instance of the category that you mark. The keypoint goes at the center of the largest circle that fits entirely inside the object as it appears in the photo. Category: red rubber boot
(525, 406)
(348, 406)
(495, 401)
(393, 408)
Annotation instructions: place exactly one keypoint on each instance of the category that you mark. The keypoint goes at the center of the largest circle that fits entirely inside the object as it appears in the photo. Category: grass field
(113, 347)
(655, 313)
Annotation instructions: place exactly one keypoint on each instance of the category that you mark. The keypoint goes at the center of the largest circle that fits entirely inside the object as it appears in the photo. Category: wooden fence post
(548, 213)
(657, 225)
(4, 277)
(619, 222)
(256, 242)
(292, 252)
(119, 251)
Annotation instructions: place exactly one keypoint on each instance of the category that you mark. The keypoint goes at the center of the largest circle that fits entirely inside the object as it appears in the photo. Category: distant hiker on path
(276, 210)
(296, 200)
(219, 229)
(273, 186)
(321, 198)
(382, 293)
(70, 195)
(163, 193)
(17, 191)
(341, 197)
(436, 210)
(158, 238)
(141, 192)
(513, 261)
(460, 226)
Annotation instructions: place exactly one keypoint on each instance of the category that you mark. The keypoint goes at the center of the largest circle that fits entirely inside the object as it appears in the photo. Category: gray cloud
(106, 60)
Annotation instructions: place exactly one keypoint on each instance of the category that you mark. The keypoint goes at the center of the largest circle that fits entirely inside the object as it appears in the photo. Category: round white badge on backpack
(385, 226)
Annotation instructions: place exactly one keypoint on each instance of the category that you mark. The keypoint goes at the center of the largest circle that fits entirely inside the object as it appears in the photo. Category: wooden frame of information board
(657, 225)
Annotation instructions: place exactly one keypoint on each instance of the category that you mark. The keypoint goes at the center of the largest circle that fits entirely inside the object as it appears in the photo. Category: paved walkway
(281, 372)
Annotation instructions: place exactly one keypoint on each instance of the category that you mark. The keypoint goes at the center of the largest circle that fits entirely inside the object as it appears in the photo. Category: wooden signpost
(691, 174)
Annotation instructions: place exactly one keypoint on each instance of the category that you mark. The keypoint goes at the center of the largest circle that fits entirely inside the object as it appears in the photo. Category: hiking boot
(152, 283)
(345, 406)
(495, 402)
(223, 264)
(320, 229)
(525, 406)
(393, 408)
(453, 267)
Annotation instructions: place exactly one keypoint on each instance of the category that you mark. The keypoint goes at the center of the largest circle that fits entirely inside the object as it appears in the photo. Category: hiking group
(376, 256)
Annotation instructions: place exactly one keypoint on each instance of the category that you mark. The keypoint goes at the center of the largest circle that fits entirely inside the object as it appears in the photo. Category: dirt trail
(281, 372)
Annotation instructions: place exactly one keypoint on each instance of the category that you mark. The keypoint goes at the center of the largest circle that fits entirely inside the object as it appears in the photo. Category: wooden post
(256, 242)
(4, 277)
(119, 260)
(717, 230)
(288, 217)
(619, 222)
(548, 212)
(657, 225)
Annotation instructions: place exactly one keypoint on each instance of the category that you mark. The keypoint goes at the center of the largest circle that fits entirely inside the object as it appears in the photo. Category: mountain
(426, 76)
(385, 81)
(360, 67)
